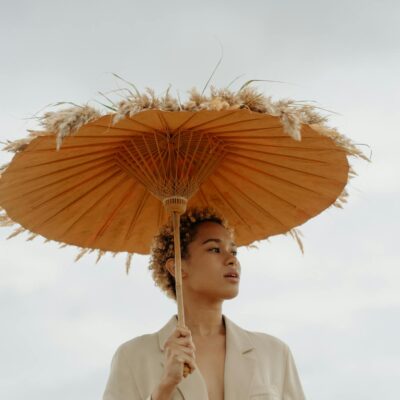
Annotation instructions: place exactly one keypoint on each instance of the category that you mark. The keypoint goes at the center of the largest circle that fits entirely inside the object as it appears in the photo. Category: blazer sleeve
(121, 383)
(292, 389)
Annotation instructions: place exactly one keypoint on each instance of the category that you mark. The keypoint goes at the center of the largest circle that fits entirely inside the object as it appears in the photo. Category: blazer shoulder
(268, 342)
(139, 345)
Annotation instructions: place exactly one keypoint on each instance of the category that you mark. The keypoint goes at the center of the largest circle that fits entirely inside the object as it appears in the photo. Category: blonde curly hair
(162, 248)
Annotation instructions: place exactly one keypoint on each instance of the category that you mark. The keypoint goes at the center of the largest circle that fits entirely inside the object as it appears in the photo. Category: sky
(337, 306)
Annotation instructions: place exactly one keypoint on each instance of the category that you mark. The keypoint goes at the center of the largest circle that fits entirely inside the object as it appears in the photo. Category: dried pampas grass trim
(128, 262)
(67, 121)
(32, 236)
(17, 145)
(342, 199)
(16, 232)
(5, 220)
(100, 254)
(296, 235)
(81, 253)
(291, 113)
(340, 140)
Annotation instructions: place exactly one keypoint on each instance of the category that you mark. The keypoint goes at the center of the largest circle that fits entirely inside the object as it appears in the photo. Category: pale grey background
(338, 306)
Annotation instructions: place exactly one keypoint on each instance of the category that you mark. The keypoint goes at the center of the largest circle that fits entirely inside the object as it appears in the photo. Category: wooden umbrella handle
(178, 279)
(186, 370)
(178, 268)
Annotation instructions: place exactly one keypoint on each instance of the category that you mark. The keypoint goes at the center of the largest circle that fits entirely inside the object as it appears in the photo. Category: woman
(226, 361)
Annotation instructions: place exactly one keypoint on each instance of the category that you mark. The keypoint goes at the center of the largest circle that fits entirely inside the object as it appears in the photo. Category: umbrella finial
(176, 204)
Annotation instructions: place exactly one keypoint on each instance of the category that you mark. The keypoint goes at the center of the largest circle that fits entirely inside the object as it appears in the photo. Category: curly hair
(162, 248)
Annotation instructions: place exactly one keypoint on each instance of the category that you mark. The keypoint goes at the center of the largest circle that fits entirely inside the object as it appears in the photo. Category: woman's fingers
(182, 337)
(189, 351)
(185, 342)
(174, 348)
(186, 359)
(181, 332)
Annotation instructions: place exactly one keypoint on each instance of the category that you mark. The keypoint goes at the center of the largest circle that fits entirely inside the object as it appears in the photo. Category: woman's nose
(231, 259)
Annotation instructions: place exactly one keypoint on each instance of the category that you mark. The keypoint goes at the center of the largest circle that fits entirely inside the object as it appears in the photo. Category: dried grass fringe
(292, 114)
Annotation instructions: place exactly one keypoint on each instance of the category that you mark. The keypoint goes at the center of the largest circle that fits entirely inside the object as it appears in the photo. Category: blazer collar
(240, 363)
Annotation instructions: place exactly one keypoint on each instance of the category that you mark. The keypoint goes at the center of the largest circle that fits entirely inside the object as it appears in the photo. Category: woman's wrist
(164, 390)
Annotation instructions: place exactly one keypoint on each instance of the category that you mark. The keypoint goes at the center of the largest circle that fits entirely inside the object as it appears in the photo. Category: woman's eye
(214, 249)
(234, 252)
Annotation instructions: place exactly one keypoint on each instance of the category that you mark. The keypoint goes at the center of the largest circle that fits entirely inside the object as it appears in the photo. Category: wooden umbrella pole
(178, 279)
(178, 268)
(176, 206)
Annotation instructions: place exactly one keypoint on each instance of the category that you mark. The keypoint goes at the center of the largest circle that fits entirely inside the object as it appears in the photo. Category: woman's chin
(220, 293)
(231, 294)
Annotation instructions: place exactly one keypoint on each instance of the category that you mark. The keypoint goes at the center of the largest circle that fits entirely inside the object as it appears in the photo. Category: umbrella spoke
(228, 203)
(230, 148)
(112, 128)
(90, 146)
(213, 128)
(217, 118)
(76, 185)
(185, 157)
(269, 192)
(109, 219)
(151, 128)
(19, 169)
(182, 125)
(245, 142)
(241, 131)
(75, 200)
(282, 167)
(137, 213)
(133, 163)
(96, 202)
(164, 122)
(62, 179)
(283, 137)
(203, 197)
(251, 201)
(278, 178)
(152, 153)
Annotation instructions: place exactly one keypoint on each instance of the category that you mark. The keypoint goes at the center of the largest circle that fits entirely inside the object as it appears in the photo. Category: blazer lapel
(193, 387)
(240, 362)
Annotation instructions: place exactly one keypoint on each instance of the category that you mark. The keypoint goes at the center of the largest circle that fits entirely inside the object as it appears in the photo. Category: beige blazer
(257, 366)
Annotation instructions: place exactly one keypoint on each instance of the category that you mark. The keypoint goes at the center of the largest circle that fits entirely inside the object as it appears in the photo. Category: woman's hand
(179, 350)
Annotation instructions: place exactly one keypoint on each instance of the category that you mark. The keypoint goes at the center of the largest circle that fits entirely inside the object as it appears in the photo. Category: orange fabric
(266, 183)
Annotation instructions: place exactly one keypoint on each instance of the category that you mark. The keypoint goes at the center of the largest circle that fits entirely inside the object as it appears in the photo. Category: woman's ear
(170, 265)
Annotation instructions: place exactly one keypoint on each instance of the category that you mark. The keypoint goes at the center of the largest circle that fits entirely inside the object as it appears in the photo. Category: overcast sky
(337, 306)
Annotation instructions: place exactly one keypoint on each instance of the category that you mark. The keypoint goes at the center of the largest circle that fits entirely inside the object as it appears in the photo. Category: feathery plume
(66, 122)
(128, 262)
(100, 254)
(16, 232)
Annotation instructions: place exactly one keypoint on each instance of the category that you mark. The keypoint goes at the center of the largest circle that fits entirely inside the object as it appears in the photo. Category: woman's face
(211, 265)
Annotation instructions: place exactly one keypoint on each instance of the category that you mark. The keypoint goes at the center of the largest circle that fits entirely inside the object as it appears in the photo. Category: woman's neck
(204, 319)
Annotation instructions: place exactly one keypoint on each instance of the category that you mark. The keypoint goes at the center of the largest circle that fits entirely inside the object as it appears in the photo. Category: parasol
(108, 181)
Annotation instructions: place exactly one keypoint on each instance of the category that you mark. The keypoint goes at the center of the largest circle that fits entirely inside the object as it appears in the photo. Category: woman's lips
(234, 279)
